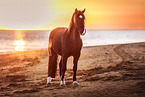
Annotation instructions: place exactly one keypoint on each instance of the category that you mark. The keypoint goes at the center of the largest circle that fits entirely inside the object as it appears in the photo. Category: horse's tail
(52, 64)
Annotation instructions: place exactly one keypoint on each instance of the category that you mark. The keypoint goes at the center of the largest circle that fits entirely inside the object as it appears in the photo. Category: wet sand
(112, 70)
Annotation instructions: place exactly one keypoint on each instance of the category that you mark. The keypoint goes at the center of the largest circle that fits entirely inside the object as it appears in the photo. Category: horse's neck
(72, 30)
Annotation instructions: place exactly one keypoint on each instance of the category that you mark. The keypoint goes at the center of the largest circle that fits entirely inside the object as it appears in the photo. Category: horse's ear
(83, 10)
(76, 10)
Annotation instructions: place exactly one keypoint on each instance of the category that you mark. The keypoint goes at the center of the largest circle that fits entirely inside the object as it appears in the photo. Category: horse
(66, 42)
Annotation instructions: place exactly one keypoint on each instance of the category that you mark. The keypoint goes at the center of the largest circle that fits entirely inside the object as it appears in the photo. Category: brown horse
(66, 42)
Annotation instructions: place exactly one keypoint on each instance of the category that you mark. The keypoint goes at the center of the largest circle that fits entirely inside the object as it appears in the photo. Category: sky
(49, 14)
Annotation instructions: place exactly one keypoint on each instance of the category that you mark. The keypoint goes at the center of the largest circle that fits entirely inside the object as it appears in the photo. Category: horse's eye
(80, 16)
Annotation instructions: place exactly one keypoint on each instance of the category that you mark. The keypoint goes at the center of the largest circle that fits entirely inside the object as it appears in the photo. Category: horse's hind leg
(76, 57)
(52, 65)
(63, 70)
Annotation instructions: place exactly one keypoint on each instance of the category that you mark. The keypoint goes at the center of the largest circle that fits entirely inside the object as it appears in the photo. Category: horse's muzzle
(84, 32)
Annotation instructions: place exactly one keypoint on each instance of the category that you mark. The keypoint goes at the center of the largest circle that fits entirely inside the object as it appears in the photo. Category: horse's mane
(71, 22)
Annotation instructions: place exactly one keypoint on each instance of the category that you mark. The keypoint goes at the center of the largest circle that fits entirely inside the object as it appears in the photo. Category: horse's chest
(72, 46)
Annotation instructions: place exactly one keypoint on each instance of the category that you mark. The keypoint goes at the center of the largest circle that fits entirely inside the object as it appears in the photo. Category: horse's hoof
(75, 83)
(62, 83)
(49, 80)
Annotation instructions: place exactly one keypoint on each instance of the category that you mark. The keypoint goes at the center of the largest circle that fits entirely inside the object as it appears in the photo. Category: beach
(110, 70)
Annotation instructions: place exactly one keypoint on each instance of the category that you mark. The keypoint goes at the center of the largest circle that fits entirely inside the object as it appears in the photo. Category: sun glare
(19, 45)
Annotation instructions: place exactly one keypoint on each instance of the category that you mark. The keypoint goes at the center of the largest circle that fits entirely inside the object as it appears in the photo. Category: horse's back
(55, 39)
(57, 32)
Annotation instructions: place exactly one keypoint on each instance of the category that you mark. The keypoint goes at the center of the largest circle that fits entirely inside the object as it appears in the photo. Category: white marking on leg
(62, 83)
(75, 83)
(49, 80)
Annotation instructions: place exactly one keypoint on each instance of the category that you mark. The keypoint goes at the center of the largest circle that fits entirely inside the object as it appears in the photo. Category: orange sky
(48, 14)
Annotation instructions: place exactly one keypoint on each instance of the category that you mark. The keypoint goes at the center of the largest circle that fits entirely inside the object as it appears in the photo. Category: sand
(112, 71)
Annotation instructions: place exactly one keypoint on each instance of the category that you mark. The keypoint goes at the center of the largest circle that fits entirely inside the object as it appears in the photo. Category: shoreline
(9, 52)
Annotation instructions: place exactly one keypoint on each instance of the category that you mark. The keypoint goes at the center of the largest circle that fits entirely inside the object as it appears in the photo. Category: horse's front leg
(63, 70)
(76, 58)
(60, 65)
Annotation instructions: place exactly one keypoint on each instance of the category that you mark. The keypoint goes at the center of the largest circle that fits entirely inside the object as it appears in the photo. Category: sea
(23, 40)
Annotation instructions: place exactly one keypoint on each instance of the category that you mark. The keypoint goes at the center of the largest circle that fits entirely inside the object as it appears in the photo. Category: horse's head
(79, 21)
